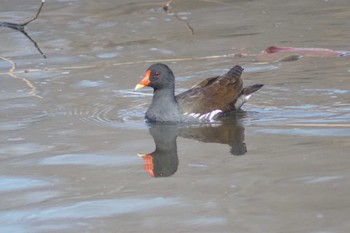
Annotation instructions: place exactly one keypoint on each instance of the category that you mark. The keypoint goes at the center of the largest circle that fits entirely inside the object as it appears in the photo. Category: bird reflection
(229, 132)
(163, 162)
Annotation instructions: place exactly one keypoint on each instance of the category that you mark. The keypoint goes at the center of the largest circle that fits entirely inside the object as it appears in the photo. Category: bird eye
(156, 74)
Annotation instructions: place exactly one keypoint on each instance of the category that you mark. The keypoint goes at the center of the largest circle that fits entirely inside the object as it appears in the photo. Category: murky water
(76, 155)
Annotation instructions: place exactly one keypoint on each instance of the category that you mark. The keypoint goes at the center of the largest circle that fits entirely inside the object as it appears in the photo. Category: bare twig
(167, 5)
(188, 26)
(166, 8)
(20, 27)
(34, 42)
(14, 26)
(37, 14)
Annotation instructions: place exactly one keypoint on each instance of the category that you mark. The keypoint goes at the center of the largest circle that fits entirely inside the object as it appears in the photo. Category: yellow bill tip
(139, 86)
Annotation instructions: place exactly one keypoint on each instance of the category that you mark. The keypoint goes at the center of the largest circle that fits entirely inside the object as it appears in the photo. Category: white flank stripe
(247, 97)
(210, 116)
(213, 114)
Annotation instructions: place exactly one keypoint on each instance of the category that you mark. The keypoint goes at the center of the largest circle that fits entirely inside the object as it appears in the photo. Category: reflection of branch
(166, 8)
(11, 72)
(20, 27)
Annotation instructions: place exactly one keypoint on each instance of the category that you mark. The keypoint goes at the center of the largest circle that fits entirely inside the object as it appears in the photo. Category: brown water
(72, 126)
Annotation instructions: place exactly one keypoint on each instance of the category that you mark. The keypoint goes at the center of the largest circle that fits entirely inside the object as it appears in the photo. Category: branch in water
(20, 27)
(11, 73)
(35, 44)
(36, 16)
(166, 8)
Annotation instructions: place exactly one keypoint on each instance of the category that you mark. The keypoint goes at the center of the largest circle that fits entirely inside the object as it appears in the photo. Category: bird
(206, 101)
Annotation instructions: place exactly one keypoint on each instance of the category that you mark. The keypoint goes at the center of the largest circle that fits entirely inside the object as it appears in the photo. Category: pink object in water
(307, 52)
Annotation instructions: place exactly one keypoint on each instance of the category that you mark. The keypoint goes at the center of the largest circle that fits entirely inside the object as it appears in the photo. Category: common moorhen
(205, 101)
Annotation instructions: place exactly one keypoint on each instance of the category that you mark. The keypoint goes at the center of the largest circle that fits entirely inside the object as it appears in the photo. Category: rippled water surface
(76, 155)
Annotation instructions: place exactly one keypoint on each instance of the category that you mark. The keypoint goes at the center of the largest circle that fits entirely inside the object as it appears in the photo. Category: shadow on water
(164, 161)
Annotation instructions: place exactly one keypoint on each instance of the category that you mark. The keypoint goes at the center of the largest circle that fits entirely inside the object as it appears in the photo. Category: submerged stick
(134, 62)
(326, 125)
(11, 72)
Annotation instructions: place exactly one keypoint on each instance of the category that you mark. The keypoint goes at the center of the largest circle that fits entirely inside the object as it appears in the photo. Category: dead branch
(36, 16)
(20, 27)
(167, 5)
(34, 42)
(166, 8)
(187, 24)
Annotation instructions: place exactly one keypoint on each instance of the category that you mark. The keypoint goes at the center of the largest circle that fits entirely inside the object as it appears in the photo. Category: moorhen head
(204, 102)
(164, 107)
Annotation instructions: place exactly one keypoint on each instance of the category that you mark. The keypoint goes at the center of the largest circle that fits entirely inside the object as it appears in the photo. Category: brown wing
(219, 92)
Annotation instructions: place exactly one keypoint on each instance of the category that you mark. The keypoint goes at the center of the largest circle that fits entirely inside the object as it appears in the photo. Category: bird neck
(164, 94)
(164, 107)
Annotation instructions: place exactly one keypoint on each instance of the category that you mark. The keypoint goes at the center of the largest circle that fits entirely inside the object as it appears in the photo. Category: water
(72, 126)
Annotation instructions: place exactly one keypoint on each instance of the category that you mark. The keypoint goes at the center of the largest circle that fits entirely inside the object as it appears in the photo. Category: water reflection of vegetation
(163, 161)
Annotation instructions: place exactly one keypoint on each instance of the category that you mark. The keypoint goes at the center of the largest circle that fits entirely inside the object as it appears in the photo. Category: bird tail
(251, 89)
(246, 94)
